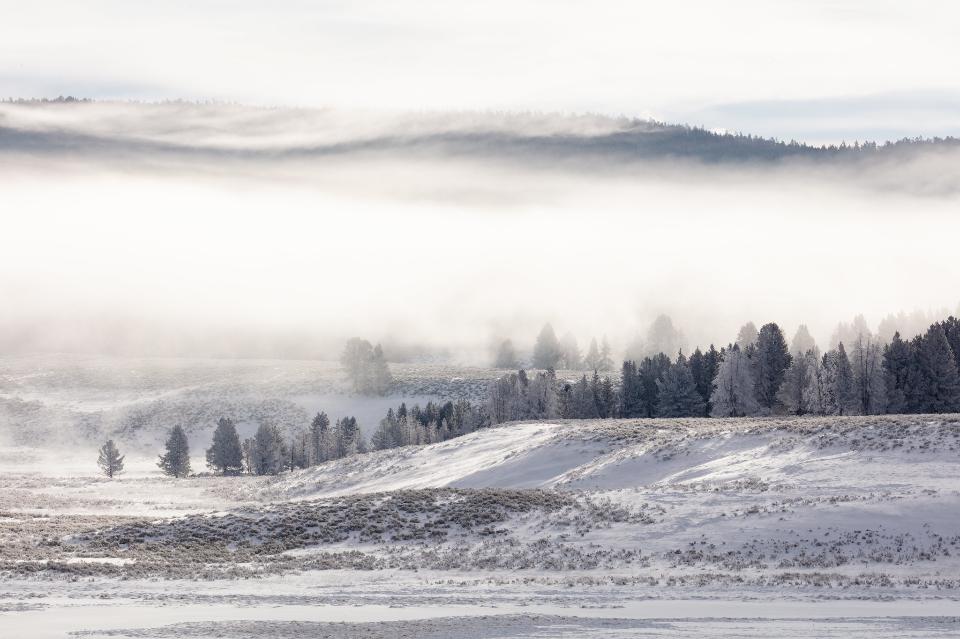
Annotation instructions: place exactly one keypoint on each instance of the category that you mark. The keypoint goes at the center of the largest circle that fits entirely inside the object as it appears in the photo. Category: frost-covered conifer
(110, 459)
(546, 352)
(677, 392)
(321, 439)
(770, 361)
(225, 454)
(838, 382)
(733, 394)
(176, 460)
(269, 453)
(939, 382)
(506, 356)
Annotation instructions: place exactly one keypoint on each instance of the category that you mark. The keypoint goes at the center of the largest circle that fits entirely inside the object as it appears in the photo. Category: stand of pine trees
(430, 424)
(756, 375)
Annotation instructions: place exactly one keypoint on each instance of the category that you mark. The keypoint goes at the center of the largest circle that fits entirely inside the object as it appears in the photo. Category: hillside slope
(920, 451)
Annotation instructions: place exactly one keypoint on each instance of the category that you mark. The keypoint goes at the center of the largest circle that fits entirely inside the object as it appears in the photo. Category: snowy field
(793, 527)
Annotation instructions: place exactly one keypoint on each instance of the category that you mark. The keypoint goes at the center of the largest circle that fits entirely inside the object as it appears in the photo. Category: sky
(812, 70)
(128, 246)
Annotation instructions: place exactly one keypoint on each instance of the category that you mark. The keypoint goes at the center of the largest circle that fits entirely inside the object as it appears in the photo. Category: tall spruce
(770, 363)
(951, 329)
(570, 357)
(592, 359)
(840, 397)
(939, 390)
(897, 362)
(176, 460)
(733, 388)
(794, 392)
(747, 336)
(802, 341)
(677, 392)
(606, 361)
(631, 402)
(110, 460)
(269, 451)
(703, 367)
(321, 439)
(225, 454)
(651, 370)
(506, 356)
(546, 351)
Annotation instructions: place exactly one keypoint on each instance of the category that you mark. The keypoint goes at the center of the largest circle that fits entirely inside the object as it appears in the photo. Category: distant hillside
(214, 131)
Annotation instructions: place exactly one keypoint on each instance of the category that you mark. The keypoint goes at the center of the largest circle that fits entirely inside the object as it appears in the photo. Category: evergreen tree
(176, 460)
(225, 454)
(110, 459)
(506, 356)
(734, 388)
(366, 367)
(794, 392)
(269, 452)
(321, 439)
(815, 396)
(546, 352)
(663, 337)
(606, 362)
(355, 360)
(570, 352)
(802, 342)
(897, 361)
(747, 336)
(770, 363)
(541, 398)
(631, 389)
(592, 358)
(711, 364)
(386, 434)
(703, 367)
(603, 395)
(349, 440)
(939, 389)
(298, 450)
(677, 392)
(839, 393)
(379, 373)
(951, 329)
(651, 370)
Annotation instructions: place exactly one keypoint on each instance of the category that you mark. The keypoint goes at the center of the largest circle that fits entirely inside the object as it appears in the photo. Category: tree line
(436, 422)
(268, 452)
(756, 375)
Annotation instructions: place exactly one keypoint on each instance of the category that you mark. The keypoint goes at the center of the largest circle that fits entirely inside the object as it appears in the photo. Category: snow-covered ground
(800, 527)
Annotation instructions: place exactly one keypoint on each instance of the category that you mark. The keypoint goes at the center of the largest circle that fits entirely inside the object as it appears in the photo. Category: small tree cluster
(366, 367)
(516, 396)
(587, 399)
(430, 424)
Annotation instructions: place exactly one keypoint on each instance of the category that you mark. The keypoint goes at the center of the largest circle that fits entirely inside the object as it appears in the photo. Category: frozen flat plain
(793, 527)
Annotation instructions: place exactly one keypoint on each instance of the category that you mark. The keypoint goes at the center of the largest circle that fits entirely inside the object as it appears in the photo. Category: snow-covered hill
(843, 525)
(834, 452)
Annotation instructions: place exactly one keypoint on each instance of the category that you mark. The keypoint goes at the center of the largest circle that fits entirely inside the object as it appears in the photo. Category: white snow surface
(793, 527)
